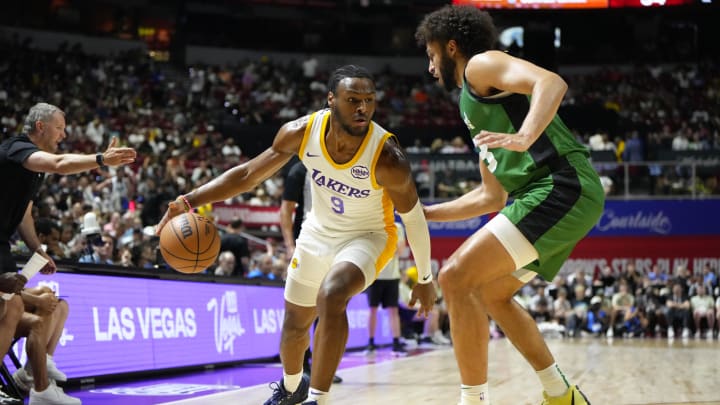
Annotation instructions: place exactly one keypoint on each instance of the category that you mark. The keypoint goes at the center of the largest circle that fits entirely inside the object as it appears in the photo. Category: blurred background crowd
(639, 113)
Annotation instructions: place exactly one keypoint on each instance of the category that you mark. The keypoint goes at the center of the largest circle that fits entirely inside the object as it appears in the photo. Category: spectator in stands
(702, 308)
(655, 311)
(709, 277)
(607, 281)
(596, 319)
(279, 268)
(23, 161)
(225, 264)
(102, 252)
(262, 267)
(126, 257)
(562, 307)
(633, 277)
(48, 232)
(622, 303)
(678, 311)
(541, 304)
(233, 241)
(68, 234)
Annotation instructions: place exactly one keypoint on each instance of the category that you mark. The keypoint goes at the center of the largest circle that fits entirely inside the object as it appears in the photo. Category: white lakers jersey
(346, 198)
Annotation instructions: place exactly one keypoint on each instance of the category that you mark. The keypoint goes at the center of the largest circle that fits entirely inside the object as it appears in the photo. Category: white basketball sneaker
(53, 395)
(23, 379)
(53, 371)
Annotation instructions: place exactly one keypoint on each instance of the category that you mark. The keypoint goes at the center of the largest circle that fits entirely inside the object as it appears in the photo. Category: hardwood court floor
(610, 372)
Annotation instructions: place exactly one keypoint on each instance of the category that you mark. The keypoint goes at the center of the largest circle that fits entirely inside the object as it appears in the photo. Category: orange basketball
(189, 243)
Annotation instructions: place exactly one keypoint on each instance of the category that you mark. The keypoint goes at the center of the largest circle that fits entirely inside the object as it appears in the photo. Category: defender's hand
(427, 295)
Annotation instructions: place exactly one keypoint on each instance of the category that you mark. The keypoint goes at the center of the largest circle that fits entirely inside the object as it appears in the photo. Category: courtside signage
(123, 325)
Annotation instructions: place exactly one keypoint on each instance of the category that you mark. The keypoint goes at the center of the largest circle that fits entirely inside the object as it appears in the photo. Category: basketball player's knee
(46, 290)
(294, 325)
(62, 308)
(332, 298)
(14, 309)
(452, 280)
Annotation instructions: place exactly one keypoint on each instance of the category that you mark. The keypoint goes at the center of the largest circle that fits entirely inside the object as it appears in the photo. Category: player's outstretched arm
(486, 198)
(243, 177)
(393, 173)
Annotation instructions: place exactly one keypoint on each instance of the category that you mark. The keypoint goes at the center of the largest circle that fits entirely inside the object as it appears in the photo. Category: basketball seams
(180, 239)
(197, 238)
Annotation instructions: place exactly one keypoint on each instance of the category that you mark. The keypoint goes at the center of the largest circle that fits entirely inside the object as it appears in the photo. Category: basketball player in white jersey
(359, 176)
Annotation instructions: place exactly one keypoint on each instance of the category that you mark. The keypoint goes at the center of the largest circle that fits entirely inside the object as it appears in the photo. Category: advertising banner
(627, 218)
(122, 325)
(535, 3)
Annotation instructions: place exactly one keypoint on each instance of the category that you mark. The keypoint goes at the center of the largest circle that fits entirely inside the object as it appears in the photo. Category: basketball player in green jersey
(526, 153)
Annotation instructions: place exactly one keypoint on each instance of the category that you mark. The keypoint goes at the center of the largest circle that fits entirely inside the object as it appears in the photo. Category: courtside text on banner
(131, 324)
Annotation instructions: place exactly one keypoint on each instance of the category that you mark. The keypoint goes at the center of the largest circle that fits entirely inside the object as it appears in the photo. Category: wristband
(100, 159)
(185, 201)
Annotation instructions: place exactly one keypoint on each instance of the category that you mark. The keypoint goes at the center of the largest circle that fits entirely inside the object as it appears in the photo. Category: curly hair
(471, 28)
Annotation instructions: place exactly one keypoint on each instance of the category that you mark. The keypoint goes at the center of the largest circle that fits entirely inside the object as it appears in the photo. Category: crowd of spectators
(627, 303)
(182, 123)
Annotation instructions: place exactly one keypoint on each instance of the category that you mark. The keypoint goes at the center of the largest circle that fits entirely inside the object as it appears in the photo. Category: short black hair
(472, 29)
(44, 226)
(348, 71)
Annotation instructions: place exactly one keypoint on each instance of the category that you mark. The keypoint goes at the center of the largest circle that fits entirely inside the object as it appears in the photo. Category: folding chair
(9, 382)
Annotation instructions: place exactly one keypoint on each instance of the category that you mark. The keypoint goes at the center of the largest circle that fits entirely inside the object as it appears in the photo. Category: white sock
(292, 381)
(554, 381)
(474, 394)
(316, 395)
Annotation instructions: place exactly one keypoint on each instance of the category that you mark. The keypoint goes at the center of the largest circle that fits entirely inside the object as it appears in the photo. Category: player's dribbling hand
(174, 209)
(426, 294)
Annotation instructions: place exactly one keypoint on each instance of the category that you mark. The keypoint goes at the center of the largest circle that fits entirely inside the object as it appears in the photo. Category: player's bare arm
(495, 70)
(486, 198)
(393, 173)
(246, 176)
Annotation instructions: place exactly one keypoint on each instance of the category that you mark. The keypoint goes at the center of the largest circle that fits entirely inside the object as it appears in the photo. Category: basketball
(189, 243)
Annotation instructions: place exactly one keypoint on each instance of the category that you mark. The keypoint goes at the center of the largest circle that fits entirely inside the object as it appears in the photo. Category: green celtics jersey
(505, 113)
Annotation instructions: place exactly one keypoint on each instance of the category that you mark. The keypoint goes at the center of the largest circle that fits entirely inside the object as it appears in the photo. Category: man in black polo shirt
(24, 160)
